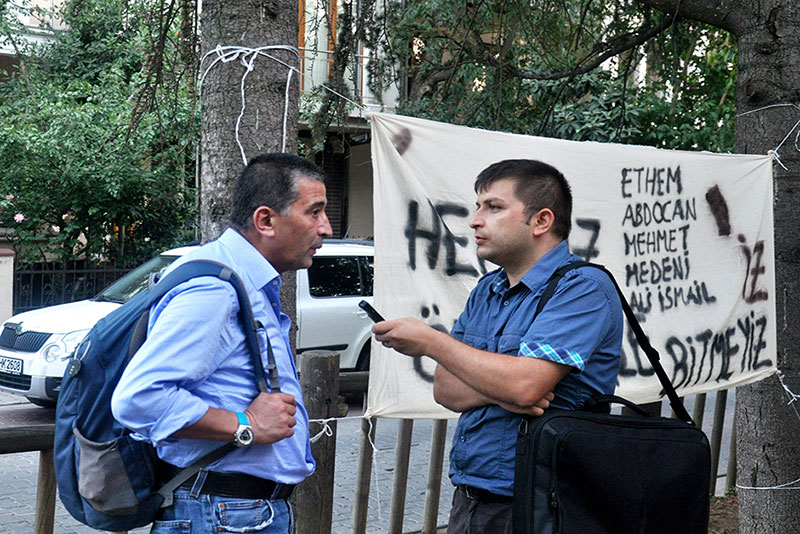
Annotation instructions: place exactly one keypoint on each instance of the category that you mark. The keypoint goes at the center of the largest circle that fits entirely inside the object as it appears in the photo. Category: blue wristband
(242, 418)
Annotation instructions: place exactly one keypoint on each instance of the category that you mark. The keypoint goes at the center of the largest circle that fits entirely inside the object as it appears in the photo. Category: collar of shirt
(254, 266)
(540, 273)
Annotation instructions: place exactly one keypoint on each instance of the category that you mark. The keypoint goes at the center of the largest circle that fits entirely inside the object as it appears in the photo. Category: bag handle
(641, 337)
(602, 404)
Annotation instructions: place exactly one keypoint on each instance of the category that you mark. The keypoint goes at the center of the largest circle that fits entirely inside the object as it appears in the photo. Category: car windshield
(135, 281)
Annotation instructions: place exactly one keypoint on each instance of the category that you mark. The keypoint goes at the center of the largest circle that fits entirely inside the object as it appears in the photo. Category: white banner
(688, 236)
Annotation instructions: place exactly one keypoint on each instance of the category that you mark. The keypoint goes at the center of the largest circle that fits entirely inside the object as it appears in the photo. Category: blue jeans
(211, 514)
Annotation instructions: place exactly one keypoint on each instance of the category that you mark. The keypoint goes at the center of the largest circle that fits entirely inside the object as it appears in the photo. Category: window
(367, 271)
(135, 281)
(334, 277)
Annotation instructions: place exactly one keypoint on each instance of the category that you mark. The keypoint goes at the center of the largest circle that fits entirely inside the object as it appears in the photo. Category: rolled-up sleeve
(189, 331)
(571, 325)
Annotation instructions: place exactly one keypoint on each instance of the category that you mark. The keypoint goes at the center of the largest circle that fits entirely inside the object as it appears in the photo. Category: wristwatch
(244, 433)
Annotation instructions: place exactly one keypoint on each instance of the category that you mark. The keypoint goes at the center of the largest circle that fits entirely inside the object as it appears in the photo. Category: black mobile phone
(372, 312)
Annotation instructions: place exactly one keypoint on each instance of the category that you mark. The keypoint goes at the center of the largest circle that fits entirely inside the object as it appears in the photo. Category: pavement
(18, 478)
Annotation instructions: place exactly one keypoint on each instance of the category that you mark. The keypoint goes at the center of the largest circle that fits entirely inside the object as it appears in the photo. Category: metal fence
(712, 412)
(47, 284)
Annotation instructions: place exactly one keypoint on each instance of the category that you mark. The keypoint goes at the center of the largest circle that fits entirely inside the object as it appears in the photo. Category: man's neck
(260, 243)
(516, 272)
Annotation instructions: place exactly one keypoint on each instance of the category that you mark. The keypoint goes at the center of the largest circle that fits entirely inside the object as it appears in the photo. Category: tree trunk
(768, 429)
(249, 24)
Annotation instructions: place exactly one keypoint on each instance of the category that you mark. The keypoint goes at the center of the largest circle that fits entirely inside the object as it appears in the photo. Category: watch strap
(242, 418)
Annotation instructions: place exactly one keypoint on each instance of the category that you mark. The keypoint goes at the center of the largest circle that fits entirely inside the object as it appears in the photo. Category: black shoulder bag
(588, 472)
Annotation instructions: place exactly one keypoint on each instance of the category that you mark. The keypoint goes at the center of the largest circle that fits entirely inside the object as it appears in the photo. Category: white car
(36, 345)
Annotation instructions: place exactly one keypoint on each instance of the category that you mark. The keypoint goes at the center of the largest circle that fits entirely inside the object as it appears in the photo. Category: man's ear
(264, 219)
(541, 222)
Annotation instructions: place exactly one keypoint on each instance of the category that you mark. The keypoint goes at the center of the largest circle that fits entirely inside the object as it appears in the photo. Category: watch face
(244, 436)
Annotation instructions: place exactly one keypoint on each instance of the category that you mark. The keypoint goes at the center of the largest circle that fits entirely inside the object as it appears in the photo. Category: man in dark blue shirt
(497, 363)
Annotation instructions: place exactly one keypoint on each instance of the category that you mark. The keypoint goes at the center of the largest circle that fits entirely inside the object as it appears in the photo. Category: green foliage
(98, 160)
(539, 69)
(702, 115)
(321, 107)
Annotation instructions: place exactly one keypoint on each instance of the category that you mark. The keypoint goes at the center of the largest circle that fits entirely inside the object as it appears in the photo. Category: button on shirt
(581, 326)
(196, 357)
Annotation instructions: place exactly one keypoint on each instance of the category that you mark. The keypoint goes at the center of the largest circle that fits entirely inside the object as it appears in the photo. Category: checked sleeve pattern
(558, 355)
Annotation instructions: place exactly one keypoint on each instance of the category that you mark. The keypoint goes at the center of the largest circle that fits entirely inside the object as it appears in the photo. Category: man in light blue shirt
(497, 362)
(191, 386)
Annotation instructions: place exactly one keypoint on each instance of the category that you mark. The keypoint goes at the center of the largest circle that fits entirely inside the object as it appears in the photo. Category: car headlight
(64, 346)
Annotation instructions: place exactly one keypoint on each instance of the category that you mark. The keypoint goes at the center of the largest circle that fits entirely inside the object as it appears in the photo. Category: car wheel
(44, 403)
(363, 359)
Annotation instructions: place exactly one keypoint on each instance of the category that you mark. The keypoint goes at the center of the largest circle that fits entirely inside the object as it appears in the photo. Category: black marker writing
(657, 212)
(754, 270)
(437, 236)
(589, 252)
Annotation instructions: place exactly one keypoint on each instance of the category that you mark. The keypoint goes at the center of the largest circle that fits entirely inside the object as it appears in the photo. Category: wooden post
(45, 494)
(353, 382)
(699, 409)
(433, 490)
(313, 498)
(716, 436)
(400, 484)
(363, 475)
(730, 476)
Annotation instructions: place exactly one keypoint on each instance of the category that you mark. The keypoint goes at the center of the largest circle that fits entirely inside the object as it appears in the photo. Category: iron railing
(53, 283)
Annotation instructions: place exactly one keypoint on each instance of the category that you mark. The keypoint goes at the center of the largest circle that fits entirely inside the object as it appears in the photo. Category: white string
(328, 431)
(340, 95)
(286, 107)
(789, 393)
(778, 487)
(326, 428)
(784, 140)
(375, 468)
(774, 153)
(247, 57)
(768, 107)
(793, 397)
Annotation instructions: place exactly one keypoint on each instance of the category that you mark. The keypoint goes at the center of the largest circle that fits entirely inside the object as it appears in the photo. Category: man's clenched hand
(271, 415)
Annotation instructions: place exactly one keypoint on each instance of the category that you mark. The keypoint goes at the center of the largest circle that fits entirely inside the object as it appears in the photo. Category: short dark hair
(538, 185)
(269, 180)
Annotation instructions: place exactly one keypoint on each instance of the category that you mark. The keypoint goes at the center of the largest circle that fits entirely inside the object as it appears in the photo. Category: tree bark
(252, 24)
(725, 14)
(768, 428)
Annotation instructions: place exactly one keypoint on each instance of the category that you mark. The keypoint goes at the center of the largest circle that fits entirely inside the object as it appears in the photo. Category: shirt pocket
(476, 341)
(509, 343)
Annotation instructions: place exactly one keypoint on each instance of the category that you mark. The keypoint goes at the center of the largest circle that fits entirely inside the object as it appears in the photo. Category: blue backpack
(106, 478)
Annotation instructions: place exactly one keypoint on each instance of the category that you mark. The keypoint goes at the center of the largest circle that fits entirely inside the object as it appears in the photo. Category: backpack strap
(641, 337)
(184, 273)
(166, 491)
(193, 269)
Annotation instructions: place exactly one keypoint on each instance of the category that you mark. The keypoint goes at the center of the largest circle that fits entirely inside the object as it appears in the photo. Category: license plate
(10, 365)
